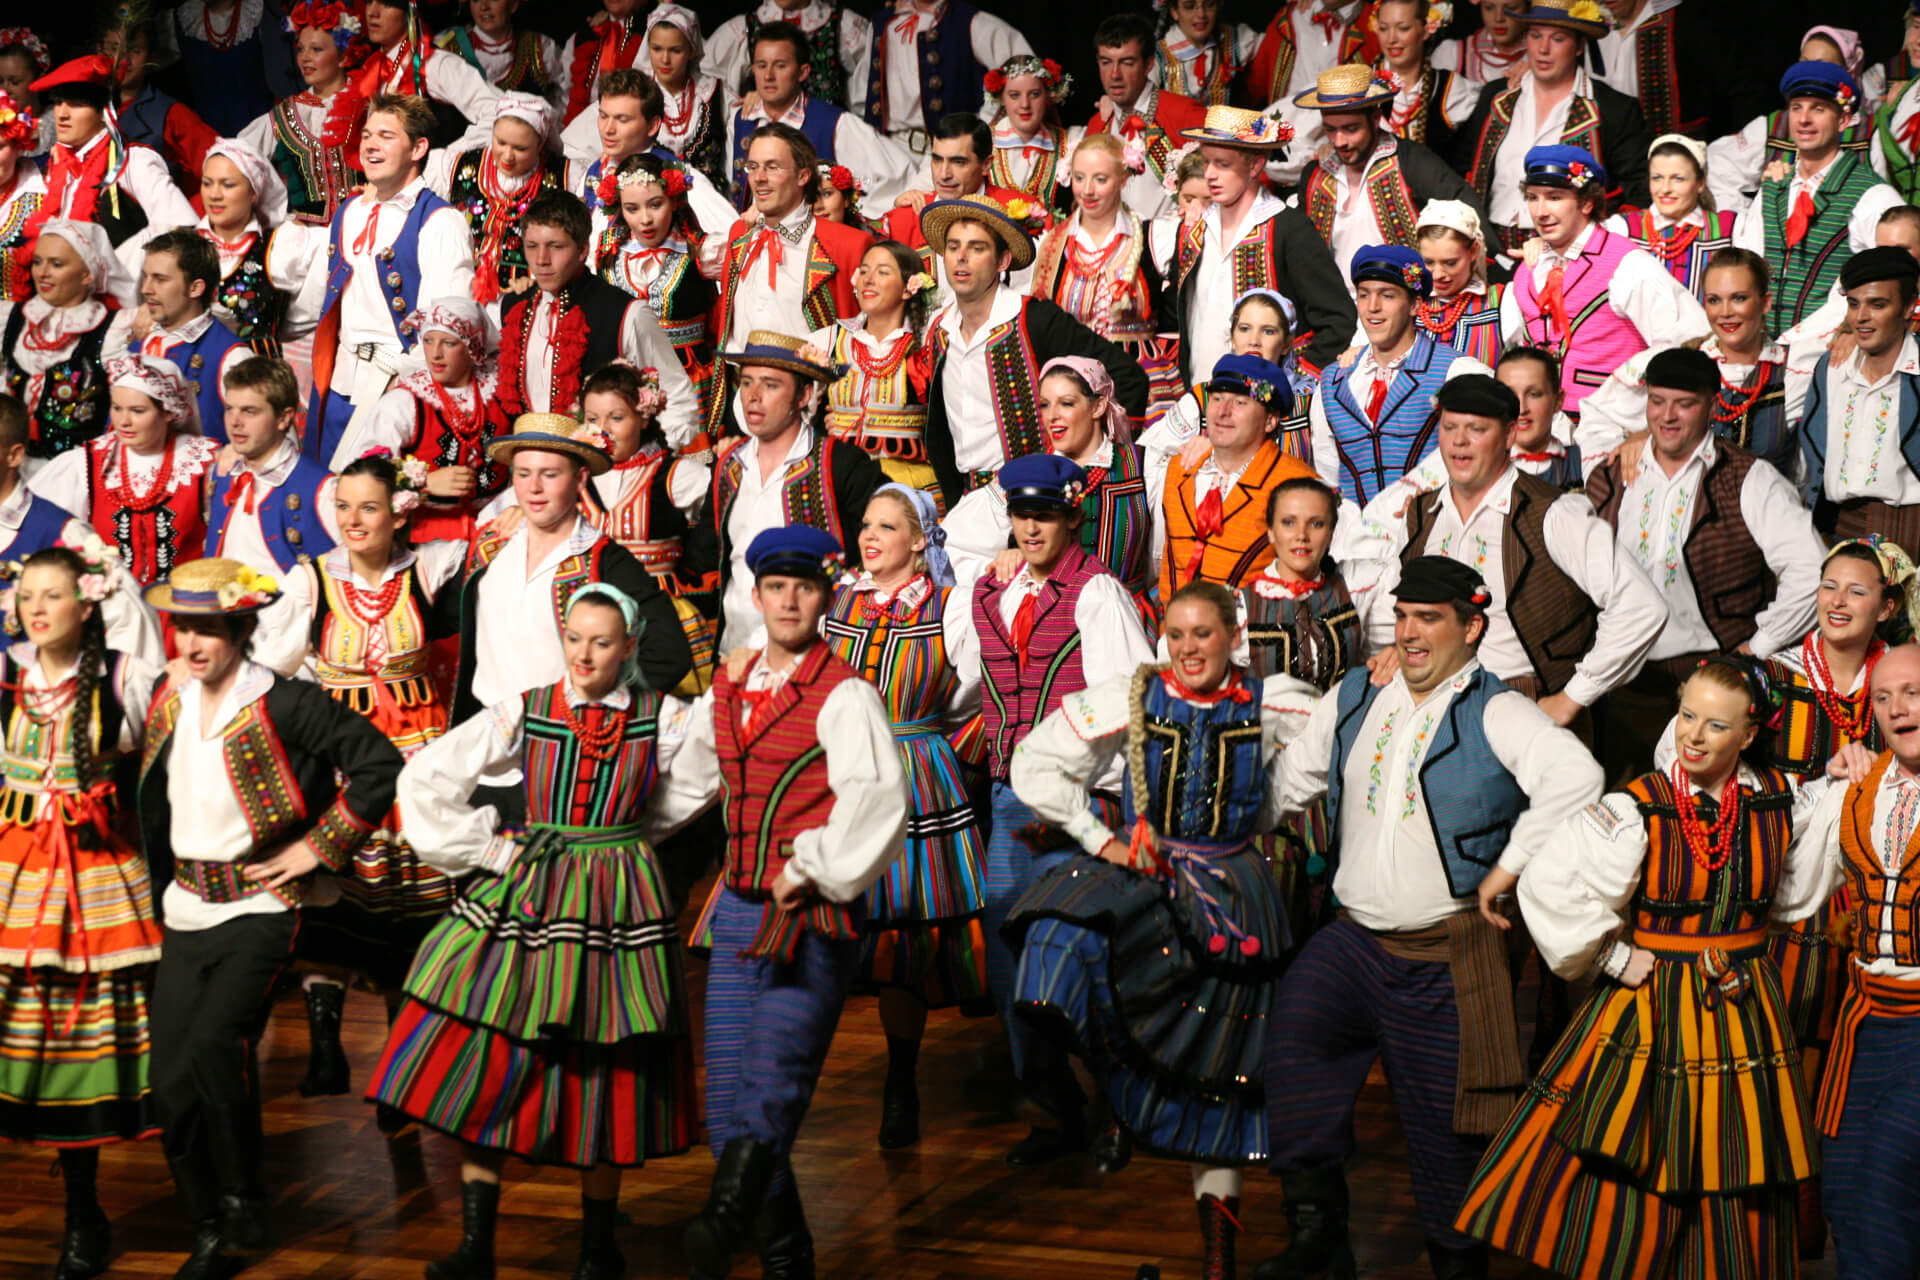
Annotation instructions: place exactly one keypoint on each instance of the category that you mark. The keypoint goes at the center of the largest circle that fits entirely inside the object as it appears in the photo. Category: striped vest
(1804, 274)
(1473, 330)
(1375, 454)
(1387, 193)
(1597, 340)
(1015, 698)
(1687, 262)
(1116, 519)
(1677, 895)
(1240, 549)
(1315, 637)
(1876, 903)
(567, 787)
(1806, 738)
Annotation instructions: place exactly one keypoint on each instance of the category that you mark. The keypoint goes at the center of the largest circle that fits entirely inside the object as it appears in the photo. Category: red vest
(152, 541)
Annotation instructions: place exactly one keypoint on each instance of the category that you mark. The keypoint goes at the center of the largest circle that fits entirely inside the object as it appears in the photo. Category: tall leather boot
(88, 1242)
(785, 1243)
(207, 1261)
(1458, 1261)
(900, 1097)
(1219, 1232)
(600, 1256)
(1051, 1085)
(1317, 1225)
(327, 1072)
(740, 1184)
(473, 1260)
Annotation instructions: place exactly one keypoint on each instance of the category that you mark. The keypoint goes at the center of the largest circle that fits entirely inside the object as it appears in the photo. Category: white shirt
(208, 822)
(881, 164)
(450, 79)
(1618, 407)
(866, 829)
(1863, 431)
(782, 308)
(728, 56)
(1209, 317)
(65, 482)
(1750, 228)
(1822, 843)
(1506, 201)
(1618, 51)
(759, 505)
(991, 39)
(496, 62)
(1144, 193)
(1656, 518)
(1366, 368)
(1477, 58)
(1390, 875)
(642, 344)
(148, 180)
(1581, 546)
(1640, 291)
(280, 642)
(967, 388)
(394, 423)
(1354, 224)
(516, 646)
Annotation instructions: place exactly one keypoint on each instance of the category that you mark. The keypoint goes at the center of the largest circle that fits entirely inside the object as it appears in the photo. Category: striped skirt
(1159, 356)
(923, 929)
(1813, 975)
(73, 1056)
(74, 908)
(387, 880)
(1664, 1135)
(1164, 991)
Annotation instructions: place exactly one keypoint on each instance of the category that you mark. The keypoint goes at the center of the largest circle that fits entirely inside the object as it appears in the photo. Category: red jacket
(1173, 112)
(828, 294)
(904, 224)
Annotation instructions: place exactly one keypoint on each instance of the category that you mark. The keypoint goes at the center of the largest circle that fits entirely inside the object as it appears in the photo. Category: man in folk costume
(176, 322)
(1211, 517)
(357, 281)
(929, 59)
(839, 42)
(1676, 60)
(989, 347)
(1304, 38)
(572, 323)
(959, 153)
(1591, 297)
(1723, 535)
(513, 603)
(1861, 436)
(784, 470)
(1374, 419)
(93, 174)
(1808, 224)
(1865, 825)
(618, 42)
(249, 783)
(1442, 784)
(405, 61)
(1555, 102)
(800, 752)
(1246, 240)
(1133, 108)
(1366, 187)
(780, 75)
(1569, 616)
(625, 121)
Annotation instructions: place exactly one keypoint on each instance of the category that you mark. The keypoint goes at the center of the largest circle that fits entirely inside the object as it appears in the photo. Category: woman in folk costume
(139, 485)
(371, 608)
(899, 624)
(1683, 228)
(1260, 324)
(78, 936)
(54, 345)
(24, 59)
(493, 185)
(693, 120)
(1464, 309)
(1429, 102)
(652, 250)
(546, 1017)
(1667, 1129)
(841, 197)
(1497, 51)
(1198, 56)
(1029, 141)
(22, 190)
(244, 199)
(879, 398)
(1156, 953)
(312, 139)
(1098, 265)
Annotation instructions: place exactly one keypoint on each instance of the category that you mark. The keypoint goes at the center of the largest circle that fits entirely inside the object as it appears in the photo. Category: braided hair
(87, 767)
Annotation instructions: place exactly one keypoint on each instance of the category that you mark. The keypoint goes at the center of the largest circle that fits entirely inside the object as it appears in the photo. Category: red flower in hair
(841, 177)
(1053, 69)
(675, 181)
(1577, 171)
(608, 192)
(994, 81)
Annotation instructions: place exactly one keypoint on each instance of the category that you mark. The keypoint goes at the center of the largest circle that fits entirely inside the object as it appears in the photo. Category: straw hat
(550, 433)
(773, 350)
(1351, 86)
(1239, 127)
(213, 587)
(938, 216)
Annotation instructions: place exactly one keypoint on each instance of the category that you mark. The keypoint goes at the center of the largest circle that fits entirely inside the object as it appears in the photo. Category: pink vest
(1599, 341)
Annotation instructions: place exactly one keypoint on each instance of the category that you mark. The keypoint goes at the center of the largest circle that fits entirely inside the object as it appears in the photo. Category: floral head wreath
(36, 49)
(1170, 181)
(17, 124)
(410, 478)
(337, 19)
(97, 579)
(1046, 70)
(673, 179)
(841, 179)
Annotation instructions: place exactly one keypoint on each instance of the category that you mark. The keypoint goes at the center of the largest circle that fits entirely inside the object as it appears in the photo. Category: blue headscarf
(939, 567)
(629, 613)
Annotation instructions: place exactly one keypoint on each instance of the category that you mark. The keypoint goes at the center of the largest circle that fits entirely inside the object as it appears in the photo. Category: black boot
(327, 1071)
(1317, 1225)
(739, 1189)
(89, 1240)
(785, 1243)
(206, 1262)
(1219, 1232)
(1458, 1261)
(1113, 1149)
(473, 1260)
(1051, 1085)
(900, 1102)
(243, 1222)
(600, 1257)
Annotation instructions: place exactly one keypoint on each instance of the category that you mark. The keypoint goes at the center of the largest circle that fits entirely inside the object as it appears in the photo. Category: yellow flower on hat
(1586, 11)
(1019, 209)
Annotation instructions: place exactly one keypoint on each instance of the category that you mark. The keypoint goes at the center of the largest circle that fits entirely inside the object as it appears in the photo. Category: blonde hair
(917, 529)
(1104, 143)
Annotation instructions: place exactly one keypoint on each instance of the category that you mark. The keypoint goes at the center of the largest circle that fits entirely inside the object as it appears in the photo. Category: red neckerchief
(1232, 689)
(80, 174)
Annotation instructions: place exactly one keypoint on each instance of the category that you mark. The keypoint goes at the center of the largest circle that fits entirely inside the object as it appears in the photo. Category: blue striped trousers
(1872, 1166)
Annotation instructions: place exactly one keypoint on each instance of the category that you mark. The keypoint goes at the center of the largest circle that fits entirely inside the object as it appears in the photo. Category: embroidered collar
(1908, 363)
(911, 595)
(63, 322)
(1007, 138)
(618, 700)
(340, 566)
(191, 331)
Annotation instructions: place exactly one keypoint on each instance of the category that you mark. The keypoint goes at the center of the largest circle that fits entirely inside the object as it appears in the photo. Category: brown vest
(1553, 618)
(1731, 579)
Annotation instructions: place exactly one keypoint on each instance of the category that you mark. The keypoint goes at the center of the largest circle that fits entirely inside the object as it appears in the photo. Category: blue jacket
(1374, 455)
(199, 363)
(289, 516)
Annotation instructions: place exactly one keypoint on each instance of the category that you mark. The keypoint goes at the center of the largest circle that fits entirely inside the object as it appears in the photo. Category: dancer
(245, 200)
(22, 189)
(1430, 102)
(580, 1017)
(879, 401)
(1198, 56)
(1497, 51)
(1029, 141)
(312, 139)
(1682, 229)
(1663, 892)
(693, 114)
(1463, 310)
(175, 321)
(53, 346)
(80, 938)
(513, 61)
(494, 185)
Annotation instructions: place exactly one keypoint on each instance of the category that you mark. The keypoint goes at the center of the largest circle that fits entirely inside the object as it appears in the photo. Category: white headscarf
(688, 25)
(458, 316)
(161, 381)
(535, 112)
(106, 274)
(269, 190)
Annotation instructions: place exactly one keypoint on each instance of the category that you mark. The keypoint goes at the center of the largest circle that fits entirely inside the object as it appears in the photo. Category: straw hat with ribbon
(1351, 86)
(213, 587)
(1239, 127)
(771, 350)
(1007, 224)
(550, 433)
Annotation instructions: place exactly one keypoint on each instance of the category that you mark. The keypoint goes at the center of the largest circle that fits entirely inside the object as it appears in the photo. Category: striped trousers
(1872, 1166)
(1343, 1003)
(768, 1027)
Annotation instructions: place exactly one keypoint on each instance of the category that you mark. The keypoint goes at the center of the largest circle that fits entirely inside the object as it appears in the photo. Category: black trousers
(210, 1000)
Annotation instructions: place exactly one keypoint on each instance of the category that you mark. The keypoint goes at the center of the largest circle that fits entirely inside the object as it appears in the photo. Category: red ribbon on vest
(1554, 302)
(1375, 399)
(1800, 218)
(1022, 629)
(242, 489)
(768, 239)
(1208, 521)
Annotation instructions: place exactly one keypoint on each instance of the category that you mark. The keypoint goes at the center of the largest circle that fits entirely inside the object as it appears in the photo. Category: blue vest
(819, 124)
(230, 85)
(399, 264)
(39, 529)
(1374, 455)
(1813, 430)
(144, 119)
(1472, 801)
(199, 363)
(289, 516)
(950, 78)
(1204, 771)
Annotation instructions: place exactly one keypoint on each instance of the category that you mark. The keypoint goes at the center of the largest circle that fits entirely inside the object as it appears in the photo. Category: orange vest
(1867, 877)
(1240, 549)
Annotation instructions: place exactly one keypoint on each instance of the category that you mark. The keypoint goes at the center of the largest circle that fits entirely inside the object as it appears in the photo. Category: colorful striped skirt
(1665, 1134)
(1164, 988)
(73, 897)
(1813, 974)
(923, 930)
(1159, 356)
(73, 1056)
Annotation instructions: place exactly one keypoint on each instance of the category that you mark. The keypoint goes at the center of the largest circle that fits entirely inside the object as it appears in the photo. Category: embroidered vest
(37, 760)
(72, 408)
(829, 77)
(1316, 637)
(247, 303)
(1881, 902)
(950, 76)
(817, 302)
(568, 788)
(1204, 774)
(1090, 293)
(605, 309)
(1805, 273)
(1041, 181)
(1374, 455)
(1472, 801)
(438, 444)
(1473, 331)
(1116, 519)
(1014, 698)
(1013, 378)
(151, 542)
(807, 495)
(1902, 168)
(526, 73)
(468, 194)
(1270, 73)
(319, 178)
(875, 405)
(347, 661)
(1597, 340)
(1387, 192)
(1678, 896)
(398, 276)
(1688, 263)
(819, 124)
(1582, 129)
(644, 519)
(1240, 550)
(231, 82)
(1653, 47)
(199, 362)
(289, 515)
(1215, 86)
(1806, 737)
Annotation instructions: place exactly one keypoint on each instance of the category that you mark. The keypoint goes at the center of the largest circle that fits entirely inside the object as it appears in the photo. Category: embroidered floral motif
(1881, 425)
(1416, 754)
(1377, 768)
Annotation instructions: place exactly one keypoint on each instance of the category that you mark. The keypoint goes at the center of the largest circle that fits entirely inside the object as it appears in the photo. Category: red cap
(93, 70)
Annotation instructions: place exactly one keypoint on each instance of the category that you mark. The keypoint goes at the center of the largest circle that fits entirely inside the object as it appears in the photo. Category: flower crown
(332, 16)
(36, 49)
(841, 178)
(17, 124)
(1170, 181)
(1046, 70)
(409, 481)
(248, 588)
(673, 179)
